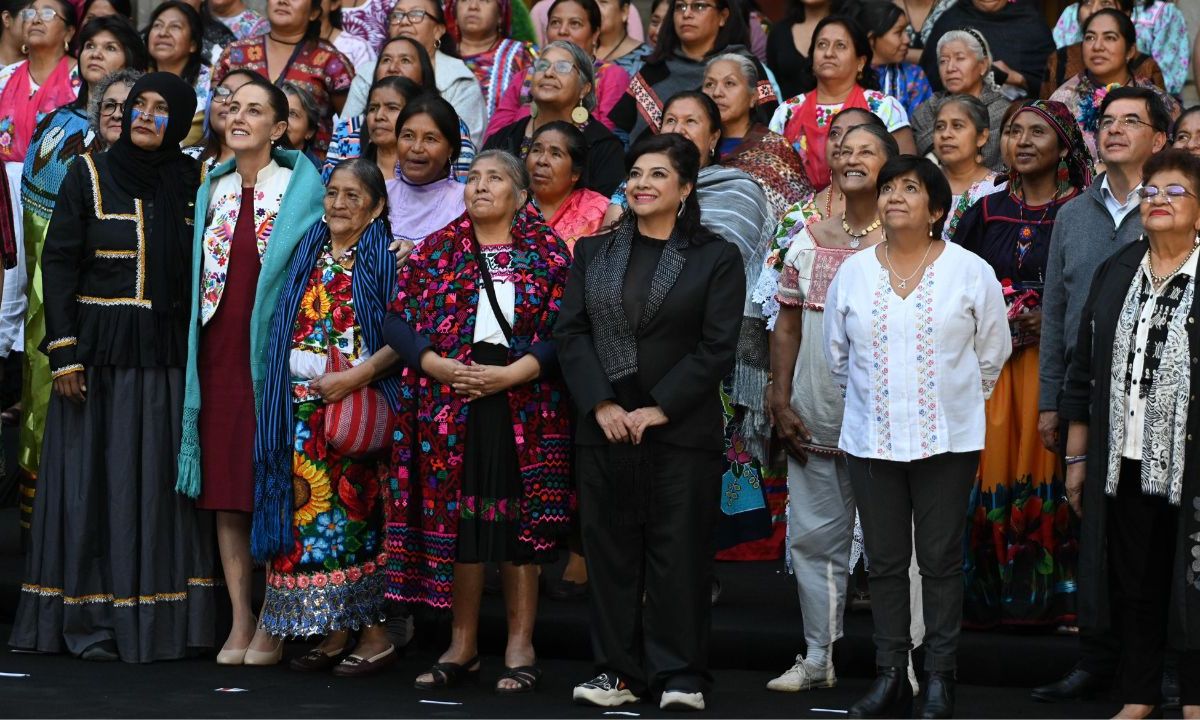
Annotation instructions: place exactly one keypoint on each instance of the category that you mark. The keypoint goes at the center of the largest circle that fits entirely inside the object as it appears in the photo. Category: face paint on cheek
(160, 121)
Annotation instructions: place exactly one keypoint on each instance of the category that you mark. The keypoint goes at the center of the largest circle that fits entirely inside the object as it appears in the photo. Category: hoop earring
(437, 44)
(580, 114)
(24, 49)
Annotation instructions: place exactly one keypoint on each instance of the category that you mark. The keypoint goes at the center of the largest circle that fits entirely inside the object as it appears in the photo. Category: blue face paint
(160, 121)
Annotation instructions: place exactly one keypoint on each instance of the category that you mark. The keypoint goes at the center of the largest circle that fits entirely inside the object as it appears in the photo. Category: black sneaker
(604, 690)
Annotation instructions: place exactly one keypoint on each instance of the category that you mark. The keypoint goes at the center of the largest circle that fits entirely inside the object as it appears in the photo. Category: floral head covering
(1075, 170)
(505, 29)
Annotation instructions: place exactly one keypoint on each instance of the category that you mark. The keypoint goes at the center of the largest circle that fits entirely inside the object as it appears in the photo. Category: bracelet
(1073, 459)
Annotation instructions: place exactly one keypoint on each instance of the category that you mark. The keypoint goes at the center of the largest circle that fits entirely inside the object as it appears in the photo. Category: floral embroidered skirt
(334, 576)
(1021, 547)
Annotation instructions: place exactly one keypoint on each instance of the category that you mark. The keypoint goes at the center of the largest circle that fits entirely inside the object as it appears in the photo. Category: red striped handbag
(361, 423)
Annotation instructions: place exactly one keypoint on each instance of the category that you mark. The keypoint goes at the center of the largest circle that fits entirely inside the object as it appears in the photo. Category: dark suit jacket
(684, 351)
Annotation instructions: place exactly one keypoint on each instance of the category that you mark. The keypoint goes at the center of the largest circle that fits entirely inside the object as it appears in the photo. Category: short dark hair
(576, 143)
(191, 70)
(407, 89)
(1160, 119)
(123, 7)
(428, 80)
(685, 159)
(931, 178)
(136, 56)
(443, 115)
(1172, 159)
(590, 8)
(367, 173)
(862, 46)
(733, 32)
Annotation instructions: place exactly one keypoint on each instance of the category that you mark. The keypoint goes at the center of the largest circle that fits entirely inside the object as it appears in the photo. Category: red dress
(226, 391)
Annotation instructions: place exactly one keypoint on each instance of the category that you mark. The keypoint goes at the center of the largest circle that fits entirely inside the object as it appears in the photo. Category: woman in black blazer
(647, 329)
(1130, 397)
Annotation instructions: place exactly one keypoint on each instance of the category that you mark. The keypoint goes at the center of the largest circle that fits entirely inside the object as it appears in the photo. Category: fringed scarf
(373, 284)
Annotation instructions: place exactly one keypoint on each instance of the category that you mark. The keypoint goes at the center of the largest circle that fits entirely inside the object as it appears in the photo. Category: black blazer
(1086, 399)
(684, 351)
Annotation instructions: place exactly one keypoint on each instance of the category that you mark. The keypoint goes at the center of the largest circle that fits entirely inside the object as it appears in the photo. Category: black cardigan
(1086, 400)
(604, 168)
(684, 351)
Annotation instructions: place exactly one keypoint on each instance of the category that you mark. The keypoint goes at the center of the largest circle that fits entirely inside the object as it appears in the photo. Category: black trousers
(892, 497)
(1142, 533)
(650, 534)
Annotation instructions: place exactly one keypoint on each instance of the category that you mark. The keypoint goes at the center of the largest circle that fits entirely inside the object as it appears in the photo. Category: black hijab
(168, 179)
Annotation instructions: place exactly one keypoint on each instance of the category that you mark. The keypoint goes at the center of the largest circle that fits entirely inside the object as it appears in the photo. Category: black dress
(793, 70)
(116, 554)
(604, 167)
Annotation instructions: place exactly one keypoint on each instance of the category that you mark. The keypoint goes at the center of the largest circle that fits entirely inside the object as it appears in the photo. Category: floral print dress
(333, 578)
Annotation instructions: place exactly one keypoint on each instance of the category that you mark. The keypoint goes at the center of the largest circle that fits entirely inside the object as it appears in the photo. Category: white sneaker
(804, 676)
(678, 700)
(604, 690)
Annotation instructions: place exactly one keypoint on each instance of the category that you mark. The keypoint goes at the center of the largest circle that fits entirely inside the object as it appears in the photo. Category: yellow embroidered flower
(311, 489)
(315, 303)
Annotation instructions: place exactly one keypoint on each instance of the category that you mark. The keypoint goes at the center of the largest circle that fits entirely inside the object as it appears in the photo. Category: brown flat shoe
(316, 660)
(358, 666)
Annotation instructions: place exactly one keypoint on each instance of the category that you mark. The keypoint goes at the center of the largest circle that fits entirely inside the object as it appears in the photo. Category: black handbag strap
(481, 261)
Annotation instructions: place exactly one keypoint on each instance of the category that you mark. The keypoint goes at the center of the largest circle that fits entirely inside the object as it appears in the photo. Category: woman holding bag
(319, 523)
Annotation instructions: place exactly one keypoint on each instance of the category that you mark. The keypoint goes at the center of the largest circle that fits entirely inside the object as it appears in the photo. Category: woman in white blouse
(916, 333)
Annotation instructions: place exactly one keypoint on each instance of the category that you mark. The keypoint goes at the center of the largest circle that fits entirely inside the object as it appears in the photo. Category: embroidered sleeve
(1169, 45)
(1066, 30)
(797, 270)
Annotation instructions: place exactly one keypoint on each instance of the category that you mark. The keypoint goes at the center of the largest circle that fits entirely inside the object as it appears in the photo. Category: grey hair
(583, 64)
(128, 76)
(744, 64)
(976, 111)
(311, 111)
(977, 44)
(514, 168)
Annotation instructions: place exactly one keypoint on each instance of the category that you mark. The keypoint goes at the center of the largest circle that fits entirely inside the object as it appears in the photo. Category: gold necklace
(856, 238)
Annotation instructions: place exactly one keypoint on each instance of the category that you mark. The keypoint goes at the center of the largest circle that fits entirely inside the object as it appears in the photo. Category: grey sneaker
(679, 700)
(804, 676)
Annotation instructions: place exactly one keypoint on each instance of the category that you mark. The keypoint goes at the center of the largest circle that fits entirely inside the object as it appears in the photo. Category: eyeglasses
(561, 67)
(108, 107)
(46, 14)
(1170, 192)
(697, 8)
(221, 94)
(1128, 122)
(416, 17)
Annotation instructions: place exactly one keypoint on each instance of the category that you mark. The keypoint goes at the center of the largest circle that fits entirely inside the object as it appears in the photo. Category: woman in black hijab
(121, 565)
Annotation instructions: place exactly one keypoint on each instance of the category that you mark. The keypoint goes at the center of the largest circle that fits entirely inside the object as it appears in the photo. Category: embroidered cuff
(66, 371)
(61, 343)
(988, 387)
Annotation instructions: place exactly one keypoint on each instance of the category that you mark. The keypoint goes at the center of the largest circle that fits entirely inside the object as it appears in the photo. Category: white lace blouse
(916, 370)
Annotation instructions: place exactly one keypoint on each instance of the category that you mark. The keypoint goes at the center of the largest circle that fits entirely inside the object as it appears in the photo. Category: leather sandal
(448, 674)
(359, 666)
(527, 678)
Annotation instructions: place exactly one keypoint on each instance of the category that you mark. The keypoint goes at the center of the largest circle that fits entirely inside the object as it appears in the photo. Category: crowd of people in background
(377, 295)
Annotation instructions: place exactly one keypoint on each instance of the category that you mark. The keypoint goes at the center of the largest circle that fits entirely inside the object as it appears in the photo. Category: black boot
(1079, 684)
(890, 696)
(938, 695)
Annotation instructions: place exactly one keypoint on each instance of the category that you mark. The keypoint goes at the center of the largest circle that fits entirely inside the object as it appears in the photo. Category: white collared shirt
(1117, 208)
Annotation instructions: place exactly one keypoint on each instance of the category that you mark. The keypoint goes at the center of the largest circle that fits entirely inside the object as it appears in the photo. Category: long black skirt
(490, 510)
(116, 554)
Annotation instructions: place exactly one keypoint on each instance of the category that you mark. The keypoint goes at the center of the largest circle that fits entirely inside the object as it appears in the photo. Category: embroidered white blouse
(916, 370)
(225, 201)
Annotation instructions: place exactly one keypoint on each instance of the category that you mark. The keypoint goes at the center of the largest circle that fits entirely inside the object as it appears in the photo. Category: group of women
(392, 295)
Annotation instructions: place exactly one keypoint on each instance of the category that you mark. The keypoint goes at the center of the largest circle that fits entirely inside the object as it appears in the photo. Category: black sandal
(447, 674)
(527, 678)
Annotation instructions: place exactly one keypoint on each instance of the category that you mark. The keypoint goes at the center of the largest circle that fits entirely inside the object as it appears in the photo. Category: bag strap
(481, 261)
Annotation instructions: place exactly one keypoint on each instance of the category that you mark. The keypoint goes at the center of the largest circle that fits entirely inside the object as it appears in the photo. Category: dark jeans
(652, 534)
(1142, 532)
(892, 497)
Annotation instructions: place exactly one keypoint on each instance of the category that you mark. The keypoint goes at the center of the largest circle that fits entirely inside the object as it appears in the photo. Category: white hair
(745, 64)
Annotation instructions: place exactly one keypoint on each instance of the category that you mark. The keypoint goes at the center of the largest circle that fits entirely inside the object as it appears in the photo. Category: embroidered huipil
(1161, 31)
(916, 370)
(222, 219)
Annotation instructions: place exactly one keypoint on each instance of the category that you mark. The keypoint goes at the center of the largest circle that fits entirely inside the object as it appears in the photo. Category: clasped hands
(470, 381)
(620, 426)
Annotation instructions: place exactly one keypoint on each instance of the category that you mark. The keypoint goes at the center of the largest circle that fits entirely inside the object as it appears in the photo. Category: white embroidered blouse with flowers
(916, 370)
(223, 208)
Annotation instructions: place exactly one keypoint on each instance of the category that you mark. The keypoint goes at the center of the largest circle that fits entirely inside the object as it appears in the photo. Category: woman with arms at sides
(250, 214)
(107, 45)
(1185, 132)
(960, 134)
(401, 56)
(1109, 45)
(564, 89)
(1067, 61)
(692, 32)
(175, 40)
(644, 347)
(293, 50)
(886, 26)
(320, 525)
(424, 196)
(746, 142)
(842, 58)
(965, 68)
(806, 408)
(482, 33)
(556, 161)
(1010, 229)
(916, 335)
(473, 327)
(115, 276)
(304, 117)
(1161, 29)
(620, 40)
(577, 22)
(1130, 399)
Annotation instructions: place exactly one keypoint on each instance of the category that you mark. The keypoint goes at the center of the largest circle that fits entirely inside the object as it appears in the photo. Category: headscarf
(167, 178)
(505, 19)
(1075, 170)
